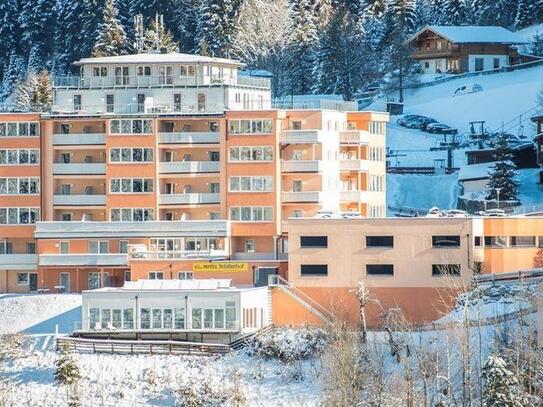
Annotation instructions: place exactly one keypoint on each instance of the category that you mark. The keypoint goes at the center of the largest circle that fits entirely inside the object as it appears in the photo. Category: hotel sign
(223, 266)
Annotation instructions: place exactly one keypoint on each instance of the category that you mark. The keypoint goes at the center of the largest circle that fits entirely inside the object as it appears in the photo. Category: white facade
(159, 83)
(487, 61)
(175, 306)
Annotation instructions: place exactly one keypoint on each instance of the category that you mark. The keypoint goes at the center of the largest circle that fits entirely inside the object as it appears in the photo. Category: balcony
(189, 137)
(136, 108)
(79, 169)
(351, 196)
(292, 197)
(178, 255)
(354, 165)
(353, 137)
(85, 259)
(79, 139)
(79, 200)
(182, 167)
(155, 81)
(301, 136)
(170, 229)
(189, 199)
(301, 166)
(18, 261)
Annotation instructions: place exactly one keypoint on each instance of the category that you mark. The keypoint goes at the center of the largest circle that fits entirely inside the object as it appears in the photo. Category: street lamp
(498, 190)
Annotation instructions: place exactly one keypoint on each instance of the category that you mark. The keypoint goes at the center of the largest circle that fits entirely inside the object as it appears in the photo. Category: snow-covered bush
(288, 345)
(67, 370)
(198, 389)
(11, 346)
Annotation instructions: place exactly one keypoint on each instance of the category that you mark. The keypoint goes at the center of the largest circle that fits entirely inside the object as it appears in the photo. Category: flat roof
(169, 58)
(199, 285)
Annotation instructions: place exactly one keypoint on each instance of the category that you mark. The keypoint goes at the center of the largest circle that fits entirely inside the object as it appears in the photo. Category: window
(479, 64)
(156, 275)
(22, 278)
(379, 241)
(251, 184)
(19, 186)
(496, 63)
(22, 129)
(478, 241)
(297, 186)
(522, 241)
(64, 247)
(127, 276)
(185, 275)
(31, 247)
(439, 270)
(201, 102)
(230, 314)
(313, 241)
(21, 156)
(187, 70)
(179, 318)
(131, 185)
(249, 246)
(314, 269)
(143, 70)
(66, 217)
(250, 126)
(240, 153)
(123, 246)
(446, 241)
(131, 126)
(121, 155)
(495, 241)
(251, 214)
(94, 280)
(128, 318)
(196, 318)
(145, 318)
(98, 246)
(157, 318)
(132, 214)
(377, 128)
(379, 269)
(14, 216)
(540, 241)
(94, 318)
(99, 71)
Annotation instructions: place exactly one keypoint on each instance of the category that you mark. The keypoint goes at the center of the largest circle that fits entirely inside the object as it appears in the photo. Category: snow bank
(39, 314)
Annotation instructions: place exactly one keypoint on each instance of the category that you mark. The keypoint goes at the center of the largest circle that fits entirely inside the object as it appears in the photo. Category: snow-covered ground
(507, 102)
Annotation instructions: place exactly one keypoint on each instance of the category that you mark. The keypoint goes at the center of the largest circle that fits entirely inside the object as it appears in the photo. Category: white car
(492, 213)
(471, 88)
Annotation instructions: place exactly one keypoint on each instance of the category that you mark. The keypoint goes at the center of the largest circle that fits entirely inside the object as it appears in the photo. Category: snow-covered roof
(172, 284)
(470, 34)
(148, 58)
(474, 172)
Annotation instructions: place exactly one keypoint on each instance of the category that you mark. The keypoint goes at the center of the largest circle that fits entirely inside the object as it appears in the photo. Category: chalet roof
(469, 34)
(474, 172)
(168, 58)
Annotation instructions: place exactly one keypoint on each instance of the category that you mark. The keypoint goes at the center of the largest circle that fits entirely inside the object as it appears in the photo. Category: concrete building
(190, 310)
(149, 165)
(459, 49)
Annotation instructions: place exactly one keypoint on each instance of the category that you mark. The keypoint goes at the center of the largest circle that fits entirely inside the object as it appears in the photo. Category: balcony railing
(178, 255)
(301, 166)
(79, 200)
(155, 81)
(84, 259)
(137, 108)
(353, 137)
(79, 169)
(189, 137)
(353, 165)
(176, 167)
(79, 139)
(18, 261)
(302, 136)
(188, 199)
(351, 196)
(315, 196)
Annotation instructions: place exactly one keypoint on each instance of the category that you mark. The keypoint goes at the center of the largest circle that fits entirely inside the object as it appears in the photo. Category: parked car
(402, 121)
(420, 123)
(495, 213)
(466, 89)
(437, 128)
(456, 213)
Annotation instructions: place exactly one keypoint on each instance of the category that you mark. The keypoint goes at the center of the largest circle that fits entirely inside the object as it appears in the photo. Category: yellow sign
(224, 266)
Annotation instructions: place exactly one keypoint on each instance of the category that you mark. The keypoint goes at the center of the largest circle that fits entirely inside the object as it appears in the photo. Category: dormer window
(99, 71)
(143, 70)
(187, 70)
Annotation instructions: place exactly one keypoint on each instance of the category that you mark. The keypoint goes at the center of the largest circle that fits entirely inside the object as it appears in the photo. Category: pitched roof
(470, 34)
(169, 58)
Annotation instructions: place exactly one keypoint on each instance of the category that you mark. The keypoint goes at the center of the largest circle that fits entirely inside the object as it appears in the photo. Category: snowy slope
(504, 98)
(38, 314)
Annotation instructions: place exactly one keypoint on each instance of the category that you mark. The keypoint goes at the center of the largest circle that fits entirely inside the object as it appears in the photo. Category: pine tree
(537, 45)
(9, 32)
(502, 173)
(158, 38)
(186, 21)
(37, 21)
(92, 21)
(139, 34)
(67, 370)
(68, 35)
(14, 72)
(524, 14)
(501, 385)
(35, 93)
(454, 12)
(111, 39)
(217, 25)
(301, 54)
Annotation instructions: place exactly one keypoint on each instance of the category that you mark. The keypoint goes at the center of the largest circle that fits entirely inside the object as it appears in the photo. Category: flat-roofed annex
(172, 57)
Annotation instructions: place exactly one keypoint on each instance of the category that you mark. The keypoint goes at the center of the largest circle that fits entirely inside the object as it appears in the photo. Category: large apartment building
(172, 166)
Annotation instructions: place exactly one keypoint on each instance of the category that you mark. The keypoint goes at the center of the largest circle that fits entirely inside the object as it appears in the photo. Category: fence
(513, 277)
